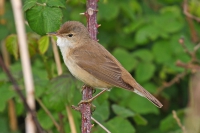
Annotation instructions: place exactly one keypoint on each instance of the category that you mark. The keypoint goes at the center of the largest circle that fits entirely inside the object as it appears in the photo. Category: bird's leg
(91, 99)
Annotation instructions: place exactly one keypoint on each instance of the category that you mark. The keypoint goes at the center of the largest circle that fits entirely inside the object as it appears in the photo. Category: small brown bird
(91, 63)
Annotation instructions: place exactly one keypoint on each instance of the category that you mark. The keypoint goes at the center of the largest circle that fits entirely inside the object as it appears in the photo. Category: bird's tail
(144, 93)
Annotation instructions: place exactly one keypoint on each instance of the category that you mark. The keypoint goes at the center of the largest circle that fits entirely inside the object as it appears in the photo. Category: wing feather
(100, 64)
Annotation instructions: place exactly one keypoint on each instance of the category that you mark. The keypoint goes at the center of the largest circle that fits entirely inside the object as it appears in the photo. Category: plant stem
(92, 26)
(24, 55)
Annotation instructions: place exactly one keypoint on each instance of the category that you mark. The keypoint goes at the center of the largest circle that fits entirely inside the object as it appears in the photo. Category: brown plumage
(90, 62)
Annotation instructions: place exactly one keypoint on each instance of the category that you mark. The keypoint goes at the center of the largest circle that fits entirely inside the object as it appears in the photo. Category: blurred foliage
(142, 35)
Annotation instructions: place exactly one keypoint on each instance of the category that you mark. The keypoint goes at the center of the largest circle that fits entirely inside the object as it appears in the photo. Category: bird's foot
(93, 107)
(86, 101)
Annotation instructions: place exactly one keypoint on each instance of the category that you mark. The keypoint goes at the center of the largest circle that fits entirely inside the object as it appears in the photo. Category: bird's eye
(70, 35)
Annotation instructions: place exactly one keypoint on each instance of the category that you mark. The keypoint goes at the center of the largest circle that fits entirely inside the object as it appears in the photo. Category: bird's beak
(52, 33)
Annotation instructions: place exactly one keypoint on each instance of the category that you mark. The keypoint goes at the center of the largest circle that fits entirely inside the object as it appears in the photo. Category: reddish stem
(85, 108)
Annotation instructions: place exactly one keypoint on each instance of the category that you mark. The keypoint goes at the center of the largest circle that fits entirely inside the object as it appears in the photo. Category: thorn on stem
(181, 40)
(83, 13)
(92, 125)
(77, 108)
(98, 25)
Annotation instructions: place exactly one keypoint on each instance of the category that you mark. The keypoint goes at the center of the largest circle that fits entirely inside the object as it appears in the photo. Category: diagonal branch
(18, 91)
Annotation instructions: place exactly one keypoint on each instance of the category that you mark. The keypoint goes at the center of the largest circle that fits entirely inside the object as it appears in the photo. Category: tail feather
(144, 93)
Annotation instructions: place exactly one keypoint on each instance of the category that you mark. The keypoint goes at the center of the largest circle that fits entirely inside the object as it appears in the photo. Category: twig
(18, 91)
(71, 119)
(48, 113)
(19, 22)
(62, 130)
(56, 56)
(182, 42)
(187, 65)
(104, 128)
(178, 121)
(170, 83)
(185, 11)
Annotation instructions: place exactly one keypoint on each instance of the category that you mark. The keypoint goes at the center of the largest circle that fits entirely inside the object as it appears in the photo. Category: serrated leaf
(43, 44)
(144, 71)
(141, 105)
(44, 119)
(44, 19)
(61, 91)
(121, 111)
(12, 45)
(125, 59)
(55, 3)
(29, 4)
(120, 125)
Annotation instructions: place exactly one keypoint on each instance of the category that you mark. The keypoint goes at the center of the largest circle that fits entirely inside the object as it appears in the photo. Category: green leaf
(144, 71)
(103, 96)
(12, 45)
(146, 33)
(121, 111)
(44, 119)
(19, 107)
(141, 105)
(140, 120)
(2, 106)
(55, 3)
(102, 111)
(169, 123)
(43, 19)
(143, 54)
(125, 59)
(125, 41)
(4, 126)
(7, 94)
(132, 27)
(29, 4)
(61, 91)
(109, 10)
(173, 23)
(43, 44)
(120, 125)
(162, 51)
(118, 94)
(3, 32)
(32, 43)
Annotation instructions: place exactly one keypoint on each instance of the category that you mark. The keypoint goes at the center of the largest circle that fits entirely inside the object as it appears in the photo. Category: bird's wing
(97, 61)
